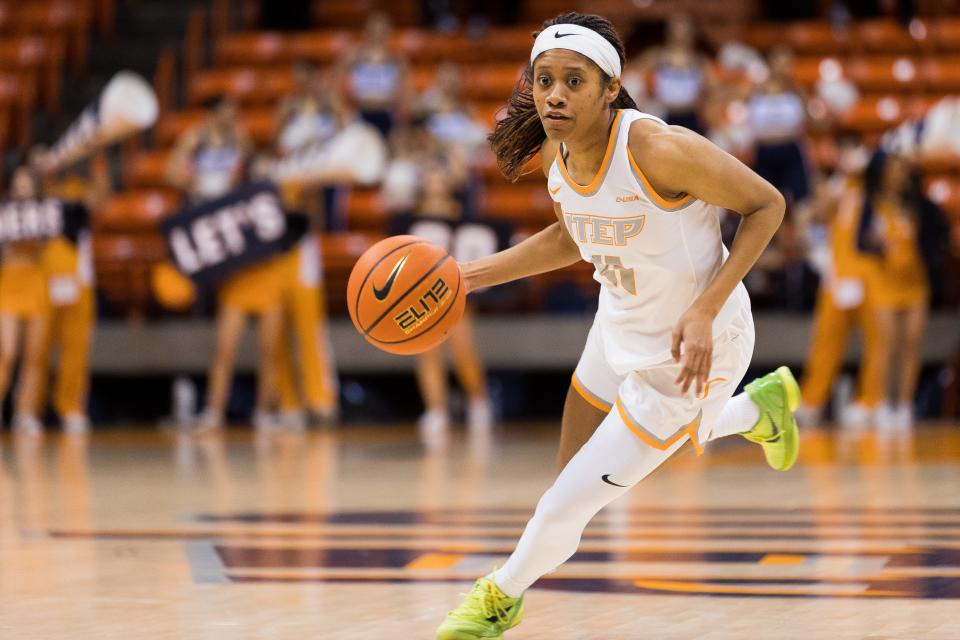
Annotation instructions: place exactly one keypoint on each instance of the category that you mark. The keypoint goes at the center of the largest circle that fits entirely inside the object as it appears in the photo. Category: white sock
(605, 468)
(738, 416)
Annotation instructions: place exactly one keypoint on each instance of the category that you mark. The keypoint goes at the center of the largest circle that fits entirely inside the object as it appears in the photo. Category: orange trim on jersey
(591, 398)
(670, 204)
(655, 442)
(594, 185)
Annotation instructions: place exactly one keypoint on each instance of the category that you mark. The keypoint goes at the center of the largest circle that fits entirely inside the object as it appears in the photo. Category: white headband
(582, 40)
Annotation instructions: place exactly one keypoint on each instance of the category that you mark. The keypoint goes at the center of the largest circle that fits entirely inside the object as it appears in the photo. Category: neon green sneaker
(486, 612)
(778, 396)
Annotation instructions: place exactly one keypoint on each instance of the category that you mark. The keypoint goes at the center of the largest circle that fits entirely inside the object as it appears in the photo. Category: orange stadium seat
(260, 123)
(877, 113)
(883, 74)
(136, 210)
(39, 54)
(816, 37)
(945, 34)
(244, 84)
(70, 18)
(147, 169)
(349, 13)
(806, 70)
(366, 212)
(888, 36)
(764, 35)
(271, 48)
(122, 263)
(805, 38)
(941, 166)
(493, 81)
(5, 117)
(526, 205)
(941, 74)
(18, 92)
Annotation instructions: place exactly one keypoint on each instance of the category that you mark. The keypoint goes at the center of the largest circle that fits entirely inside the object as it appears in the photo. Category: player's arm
(678, 161)
(548, 250)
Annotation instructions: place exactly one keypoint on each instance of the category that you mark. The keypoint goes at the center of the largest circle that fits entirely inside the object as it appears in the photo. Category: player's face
(568, 90)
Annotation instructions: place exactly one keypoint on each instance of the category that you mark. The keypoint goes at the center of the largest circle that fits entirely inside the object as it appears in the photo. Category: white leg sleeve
(611, 462)
(739, 415)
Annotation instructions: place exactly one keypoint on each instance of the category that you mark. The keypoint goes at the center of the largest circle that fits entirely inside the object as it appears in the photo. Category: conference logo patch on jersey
(615, 232)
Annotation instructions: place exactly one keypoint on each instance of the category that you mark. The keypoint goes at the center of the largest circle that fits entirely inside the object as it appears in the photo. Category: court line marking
(206, 567)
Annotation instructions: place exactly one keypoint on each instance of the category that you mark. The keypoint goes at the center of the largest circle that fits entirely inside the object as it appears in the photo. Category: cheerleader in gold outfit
(894, 218)
(24, 315)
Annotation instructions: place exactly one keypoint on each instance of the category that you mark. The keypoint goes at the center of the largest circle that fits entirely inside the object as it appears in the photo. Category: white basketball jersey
(653, 256)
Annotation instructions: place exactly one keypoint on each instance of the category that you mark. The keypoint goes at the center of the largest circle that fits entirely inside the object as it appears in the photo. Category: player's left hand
(694, 331)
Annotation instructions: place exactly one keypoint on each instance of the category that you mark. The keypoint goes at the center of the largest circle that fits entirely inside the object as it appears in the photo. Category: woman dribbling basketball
(673, 335)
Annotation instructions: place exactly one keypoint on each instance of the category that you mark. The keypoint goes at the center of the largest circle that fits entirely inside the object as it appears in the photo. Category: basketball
(405, 294)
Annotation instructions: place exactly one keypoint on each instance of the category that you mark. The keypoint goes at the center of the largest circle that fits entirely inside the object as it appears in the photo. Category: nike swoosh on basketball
(562, 35)
(382, 293)
(606, 478)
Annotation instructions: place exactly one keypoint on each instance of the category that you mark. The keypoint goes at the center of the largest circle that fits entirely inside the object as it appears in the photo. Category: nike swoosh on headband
(557, 34)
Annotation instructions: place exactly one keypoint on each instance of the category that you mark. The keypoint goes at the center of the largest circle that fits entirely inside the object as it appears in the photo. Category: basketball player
(673, 335)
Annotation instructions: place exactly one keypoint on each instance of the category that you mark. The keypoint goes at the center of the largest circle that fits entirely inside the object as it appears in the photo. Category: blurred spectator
(680, 76)
(374, 77)
(24, 313)
(413, 148)
(448, 116)
(310, 114)
(438, 201)
(210, 159)
(905, 234)
(782, 277)
(778, 118)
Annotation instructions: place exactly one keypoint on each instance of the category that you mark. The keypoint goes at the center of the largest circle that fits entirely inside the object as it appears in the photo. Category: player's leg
(470, 372)
(580, 421)
(268, 337)
(43, 380)
(593, 389)
(878, 331)
(285, 374)
(606, 467)
(870, 386)
(319, 378)
(25, 403)
(9, 344)
(764, 412)
(831, 330)
(432, 380)
(230, 323)
(914, 320)
(73, 332)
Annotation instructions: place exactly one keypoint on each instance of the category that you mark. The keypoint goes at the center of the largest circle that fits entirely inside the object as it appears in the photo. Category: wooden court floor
(365, 533)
